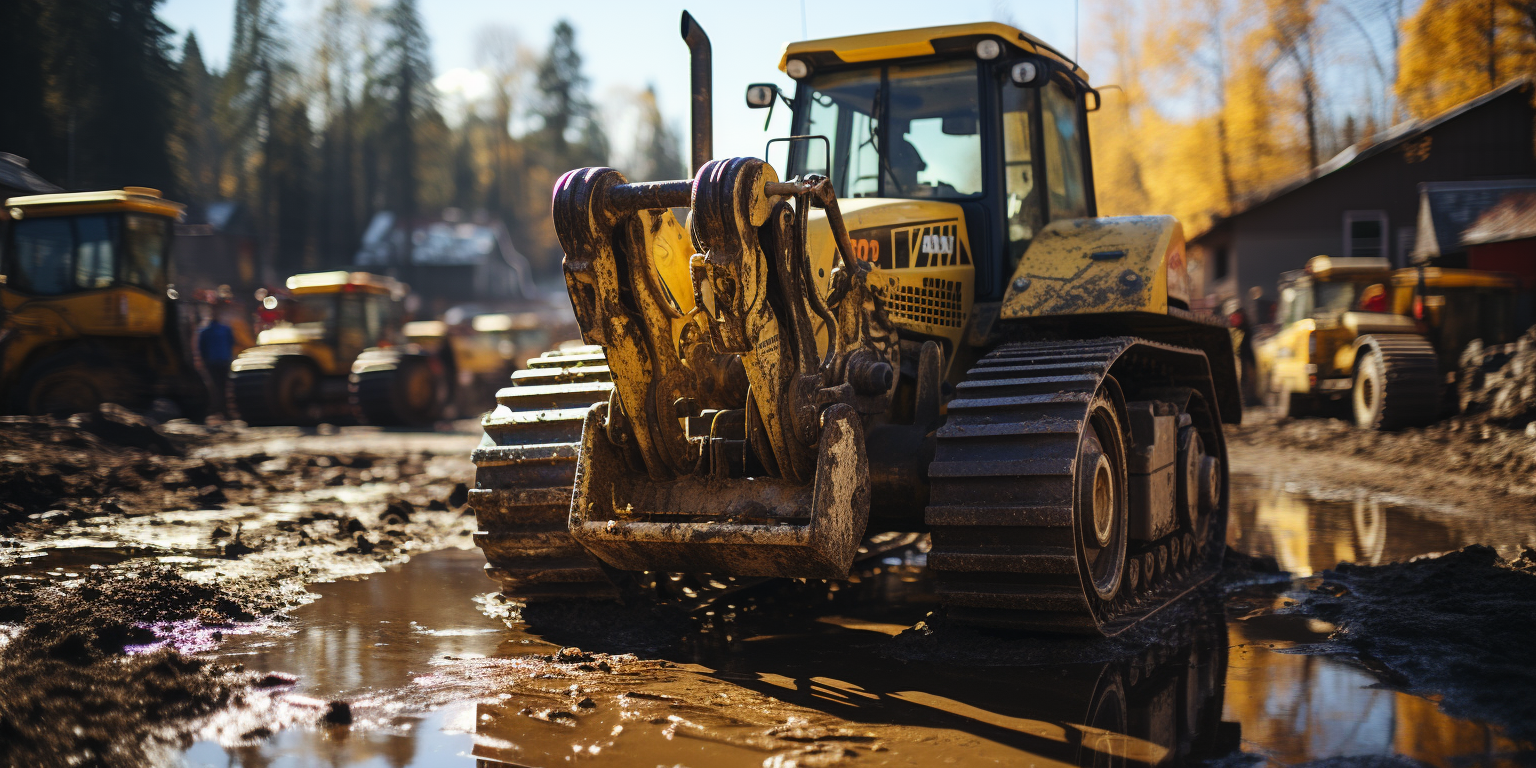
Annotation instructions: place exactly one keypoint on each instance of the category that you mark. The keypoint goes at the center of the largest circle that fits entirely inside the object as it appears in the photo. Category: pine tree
(564, 107)
(196, 147)
(251, 98)
(25, 129)
(658, 148)
(406, 83)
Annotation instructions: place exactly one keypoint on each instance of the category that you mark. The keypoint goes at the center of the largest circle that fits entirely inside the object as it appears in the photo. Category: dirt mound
(1458, 626)
(71, 695)
(1503, 459)
(95, 463)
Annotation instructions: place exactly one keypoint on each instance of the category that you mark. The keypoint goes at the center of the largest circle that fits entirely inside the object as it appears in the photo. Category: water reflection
(810, 673)
(1308, 535)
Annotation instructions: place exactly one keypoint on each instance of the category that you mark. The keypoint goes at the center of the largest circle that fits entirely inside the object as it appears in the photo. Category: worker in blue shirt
(216, 346)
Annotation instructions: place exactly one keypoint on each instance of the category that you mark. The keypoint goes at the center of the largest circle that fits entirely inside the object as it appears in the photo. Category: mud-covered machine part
(524, 471)
(1075, 485)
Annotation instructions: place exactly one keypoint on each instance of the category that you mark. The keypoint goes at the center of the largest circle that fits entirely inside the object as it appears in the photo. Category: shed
(1366, 201)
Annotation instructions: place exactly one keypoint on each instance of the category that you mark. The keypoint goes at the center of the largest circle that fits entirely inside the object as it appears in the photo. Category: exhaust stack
(702, 92)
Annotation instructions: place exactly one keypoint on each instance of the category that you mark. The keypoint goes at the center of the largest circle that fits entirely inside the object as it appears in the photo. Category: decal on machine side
(919, 244)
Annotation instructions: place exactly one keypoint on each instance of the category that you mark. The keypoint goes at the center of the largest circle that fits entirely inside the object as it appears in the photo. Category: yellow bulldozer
(88, 313)
(919, 326)
(339, 353)
(1382, 345)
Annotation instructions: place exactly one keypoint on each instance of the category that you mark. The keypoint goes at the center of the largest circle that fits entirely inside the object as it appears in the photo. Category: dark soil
(1459, 626)
(89, 674)
(71, 694)
(1502, 458)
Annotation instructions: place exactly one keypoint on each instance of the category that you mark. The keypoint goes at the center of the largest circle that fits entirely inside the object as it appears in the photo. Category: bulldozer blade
(744, 526)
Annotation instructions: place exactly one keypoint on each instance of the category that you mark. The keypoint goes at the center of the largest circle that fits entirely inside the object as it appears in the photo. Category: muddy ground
(134, 554)
(150, 541)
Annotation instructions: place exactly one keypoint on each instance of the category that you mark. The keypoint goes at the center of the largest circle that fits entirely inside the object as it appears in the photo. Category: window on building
(1365, 234)
(1223, 263)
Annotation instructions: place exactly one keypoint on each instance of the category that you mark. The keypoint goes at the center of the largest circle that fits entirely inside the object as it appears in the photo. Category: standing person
(1247, 363)
(216, 345)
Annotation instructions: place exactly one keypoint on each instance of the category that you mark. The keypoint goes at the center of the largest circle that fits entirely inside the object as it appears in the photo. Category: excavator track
(1007, 533)
(524, 475)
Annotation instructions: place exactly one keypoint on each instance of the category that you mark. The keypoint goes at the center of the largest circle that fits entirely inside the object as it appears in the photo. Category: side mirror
(1091, 101)
(762, 95)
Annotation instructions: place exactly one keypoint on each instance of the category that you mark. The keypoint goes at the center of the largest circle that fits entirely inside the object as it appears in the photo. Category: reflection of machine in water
(1161, 706)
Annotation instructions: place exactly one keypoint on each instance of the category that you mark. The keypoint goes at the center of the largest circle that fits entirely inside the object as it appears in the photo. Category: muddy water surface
(786, 674)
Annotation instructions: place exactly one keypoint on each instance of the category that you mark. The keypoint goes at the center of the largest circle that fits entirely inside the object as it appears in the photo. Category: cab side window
(1063, 152)
(44, 253)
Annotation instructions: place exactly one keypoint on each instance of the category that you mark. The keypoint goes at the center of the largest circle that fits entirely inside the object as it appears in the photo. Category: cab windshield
(898, 130)
(51, 256)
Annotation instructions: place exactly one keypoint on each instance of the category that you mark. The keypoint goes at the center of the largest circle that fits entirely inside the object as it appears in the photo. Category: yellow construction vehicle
(476, 363)
(87, 310)
(522, 335)
(919, 326)
(1384, 343)
(339, 353)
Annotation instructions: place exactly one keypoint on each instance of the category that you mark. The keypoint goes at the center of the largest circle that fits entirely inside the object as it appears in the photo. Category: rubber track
(251, 393)
(1000, 508)
(525, 473)
(1411, 396)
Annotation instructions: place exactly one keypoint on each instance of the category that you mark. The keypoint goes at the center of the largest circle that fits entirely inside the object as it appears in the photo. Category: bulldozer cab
(1328, 288)
(87, 309)
(981, 115)
(59, 248)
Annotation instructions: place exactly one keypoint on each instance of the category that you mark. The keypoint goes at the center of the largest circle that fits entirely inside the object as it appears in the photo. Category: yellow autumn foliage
(1455, 50)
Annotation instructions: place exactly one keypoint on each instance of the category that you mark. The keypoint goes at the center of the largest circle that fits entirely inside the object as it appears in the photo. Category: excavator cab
(88, 307)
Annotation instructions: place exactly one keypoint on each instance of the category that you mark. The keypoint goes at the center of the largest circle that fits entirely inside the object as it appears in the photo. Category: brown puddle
(797, 674)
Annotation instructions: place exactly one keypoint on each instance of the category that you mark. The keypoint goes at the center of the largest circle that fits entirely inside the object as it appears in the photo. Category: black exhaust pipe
(702, 91)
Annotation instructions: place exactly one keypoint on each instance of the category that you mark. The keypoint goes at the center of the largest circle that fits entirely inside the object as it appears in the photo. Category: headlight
(797, 69)
(1024, 72)
(988, 49)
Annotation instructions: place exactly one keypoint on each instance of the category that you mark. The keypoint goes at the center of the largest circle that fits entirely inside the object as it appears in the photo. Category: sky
(629, 44)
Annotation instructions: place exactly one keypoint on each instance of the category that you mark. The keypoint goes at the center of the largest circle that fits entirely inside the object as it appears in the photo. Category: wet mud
(331, 609)
(1496, 458)
(1459, 627)
(128, 547)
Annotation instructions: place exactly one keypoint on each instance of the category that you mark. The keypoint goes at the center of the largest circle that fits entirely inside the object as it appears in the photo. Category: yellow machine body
(112, 248)
(931, 332)
(340, 353)
(1325, 332)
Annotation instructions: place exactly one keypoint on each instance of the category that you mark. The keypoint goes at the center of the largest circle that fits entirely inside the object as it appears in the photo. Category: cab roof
(1440, 277)
(1324, 267)
(927, 41)
(345, 282)
(127, 199)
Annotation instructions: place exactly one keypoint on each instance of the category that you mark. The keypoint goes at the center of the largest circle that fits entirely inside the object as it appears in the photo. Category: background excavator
(88, 313)
(919, 326)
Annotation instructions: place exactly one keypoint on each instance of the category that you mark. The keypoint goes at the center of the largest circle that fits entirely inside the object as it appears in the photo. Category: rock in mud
(338, 713)
(1458, 626)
